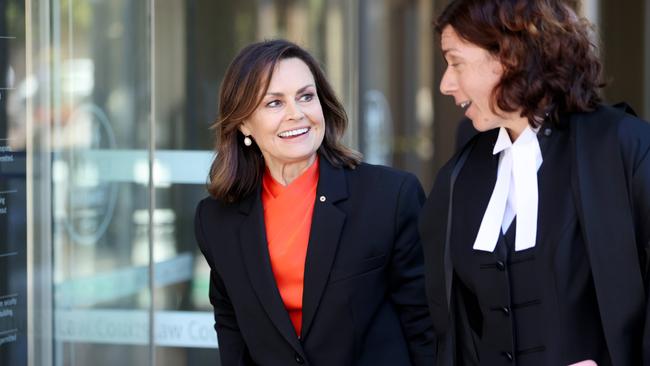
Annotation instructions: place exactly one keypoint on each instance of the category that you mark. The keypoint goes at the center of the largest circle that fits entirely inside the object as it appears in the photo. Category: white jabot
(515, 192)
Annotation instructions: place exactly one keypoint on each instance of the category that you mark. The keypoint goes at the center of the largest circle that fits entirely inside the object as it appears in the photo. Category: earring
(248, 141)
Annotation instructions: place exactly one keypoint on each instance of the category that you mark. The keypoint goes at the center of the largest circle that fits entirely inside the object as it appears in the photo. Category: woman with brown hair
(315, 257)
(536, 234)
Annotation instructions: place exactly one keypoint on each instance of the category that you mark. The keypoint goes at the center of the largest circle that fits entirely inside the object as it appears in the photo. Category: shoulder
(634, 141)
(216, 226)
(382, 176)
(210, 209)
(608, 118)
(481, 143)
(381, 171)
(633, 130)
(210, 203)
(438, 199)
(607, 124)
(382, 185)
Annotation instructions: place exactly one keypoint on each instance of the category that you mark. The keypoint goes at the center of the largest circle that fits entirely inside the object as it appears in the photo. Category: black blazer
(363, 302)
(611, 187)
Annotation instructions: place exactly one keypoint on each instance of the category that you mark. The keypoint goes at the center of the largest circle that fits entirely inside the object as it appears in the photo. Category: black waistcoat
(537, 306)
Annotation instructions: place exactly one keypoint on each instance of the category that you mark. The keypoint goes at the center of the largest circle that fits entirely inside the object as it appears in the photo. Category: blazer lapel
(327, 223)
(258, 264)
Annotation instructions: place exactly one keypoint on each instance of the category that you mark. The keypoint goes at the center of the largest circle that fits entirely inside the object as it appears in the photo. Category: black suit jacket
(611, 188)
(363, 302)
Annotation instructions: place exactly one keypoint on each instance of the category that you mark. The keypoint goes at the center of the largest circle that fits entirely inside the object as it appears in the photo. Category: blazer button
(501, 266)
(323, 198)
(506, 310)
(299, 359)
(508, 356)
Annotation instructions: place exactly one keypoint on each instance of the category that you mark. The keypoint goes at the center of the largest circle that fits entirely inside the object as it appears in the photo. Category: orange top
(287, 217)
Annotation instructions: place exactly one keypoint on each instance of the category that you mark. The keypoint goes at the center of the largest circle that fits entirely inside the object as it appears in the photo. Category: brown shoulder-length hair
(550, 62)
(237, 169)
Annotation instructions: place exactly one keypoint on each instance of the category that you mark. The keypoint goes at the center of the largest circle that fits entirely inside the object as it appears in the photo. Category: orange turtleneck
(287, 217)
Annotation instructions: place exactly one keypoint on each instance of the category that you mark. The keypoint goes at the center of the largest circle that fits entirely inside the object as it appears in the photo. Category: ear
(243, 127)
(497, 67)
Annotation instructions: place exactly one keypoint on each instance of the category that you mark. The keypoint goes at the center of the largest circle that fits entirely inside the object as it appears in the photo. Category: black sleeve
(406, 275)
(641, 204)
(232, 348)
(433, 227)
(634, 140)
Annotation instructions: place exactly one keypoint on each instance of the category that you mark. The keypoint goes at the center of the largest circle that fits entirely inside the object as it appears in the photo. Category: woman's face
(288, 125)
(471, 75)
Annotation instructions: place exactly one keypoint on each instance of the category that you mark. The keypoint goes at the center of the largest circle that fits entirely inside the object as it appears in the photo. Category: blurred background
(104, 149)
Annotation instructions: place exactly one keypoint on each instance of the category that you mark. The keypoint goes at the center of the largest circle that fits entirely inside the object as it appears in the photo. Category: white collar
(515, 192)
(504, 142)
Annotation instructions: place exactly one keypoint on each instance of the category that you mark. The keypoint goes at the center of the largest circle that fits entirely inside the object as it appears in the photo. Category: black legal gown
(536, 306)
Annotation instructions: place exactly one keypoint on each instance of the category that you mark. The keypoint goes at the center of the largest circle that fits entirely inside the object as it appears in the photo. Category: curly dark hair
(549, 58)
(237, 170)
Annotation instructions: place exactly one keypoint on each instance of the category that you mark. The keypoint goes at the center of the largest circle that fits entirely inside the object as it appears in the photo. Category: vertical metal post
(54, 72)
(646, 62)
(591, 11)
(40, 305)
(352, 58)
(151, 183)
(362, 73)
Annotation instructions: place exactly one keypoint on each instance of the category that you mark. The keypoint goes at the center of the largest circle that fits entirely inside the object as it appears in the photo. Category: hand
(585, 363)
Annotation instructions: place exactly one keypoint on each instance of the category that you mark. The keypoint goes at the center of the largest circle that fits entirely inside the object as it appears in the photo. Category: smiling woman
(273, 88)
(314, 256)
(288, 125)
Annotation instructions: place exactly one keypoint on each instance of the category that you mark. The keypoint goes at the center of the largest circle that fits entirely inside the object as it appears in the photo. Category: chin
(484, 125)
(296, 156)
(479, 127)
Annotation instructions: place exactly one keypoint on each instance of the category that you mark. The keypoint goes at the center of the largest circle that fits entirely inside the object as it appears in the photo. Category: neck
(515, 126)
(285, 173)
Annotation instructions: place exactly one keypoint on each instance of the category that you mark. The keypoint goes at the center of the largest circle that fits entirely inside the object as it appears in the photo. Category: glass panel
(99, 139)
(395, 85)
(13, 188)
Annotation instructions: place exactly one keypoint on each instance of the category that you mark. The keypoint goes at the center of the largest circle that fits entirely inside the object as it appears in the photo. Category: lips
(293, 133)
(465, 104)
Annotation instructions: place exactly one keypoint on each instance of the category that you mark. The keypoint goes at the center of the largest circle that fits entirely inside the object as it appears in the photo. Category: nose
(294, 112)
(448, 83)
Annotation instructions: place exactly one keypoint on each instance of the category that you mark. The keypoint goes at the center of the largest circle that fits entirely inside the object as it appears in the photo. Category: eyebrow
(275, 94)
(445, 52)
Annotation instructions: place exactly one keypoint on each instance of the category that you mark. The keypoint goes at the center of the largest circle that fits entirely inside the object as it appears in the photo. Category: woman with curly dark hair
(536, 234)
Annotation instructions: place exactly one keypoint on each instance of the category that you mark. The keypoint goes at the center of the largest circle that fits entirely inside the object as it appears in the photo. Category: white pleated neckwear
(515, 192)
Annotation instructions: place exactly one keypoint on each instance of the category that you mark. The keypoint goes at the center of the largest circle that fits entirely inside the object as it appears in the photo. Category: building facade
(105, 109)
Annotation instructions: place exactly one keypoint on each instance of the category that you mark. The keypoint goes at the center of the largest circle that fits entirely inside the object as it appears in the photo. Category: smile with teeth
(465, 104)
(294, 133)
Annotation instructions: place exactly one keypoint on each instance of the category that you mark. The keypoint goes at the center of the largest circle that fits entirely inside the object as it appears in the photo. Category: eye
(307, 97)
(453, 62)
(274, 103)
